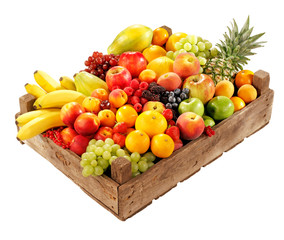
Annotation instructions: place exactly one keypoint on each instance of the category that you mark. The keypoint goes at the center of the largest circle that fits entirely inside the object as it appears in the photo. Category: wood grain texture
(103, 188)
(121, 170)
(261, 80)
(26, 103)
(141, 190)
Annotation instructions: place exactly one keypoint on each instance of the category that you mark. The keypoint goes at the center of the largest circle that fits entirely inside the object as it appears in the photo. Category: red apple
(154, 105)
(68, 134)
(170, 81)
(200, 86)
(186, 64)
(87, 124)
(79, 144)
(69, 113)
(135, 62)
(118, 77)
(103, 133)
(191, 125)
(119, 139)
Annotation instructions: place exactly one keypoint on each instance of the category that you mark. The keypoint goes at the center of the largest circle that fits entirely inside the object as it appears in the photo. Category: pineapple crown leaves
(237, 45)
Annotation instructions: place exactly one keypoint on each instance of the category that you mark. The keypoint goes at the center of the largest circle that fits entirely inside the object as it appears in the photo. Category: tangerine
(151, 122)
(238, 103)
(148, 76)
(244, 77)
(154, 51)
(137, 141)
(162, 145)
(247, 92)
(127, 114)
(160, 36)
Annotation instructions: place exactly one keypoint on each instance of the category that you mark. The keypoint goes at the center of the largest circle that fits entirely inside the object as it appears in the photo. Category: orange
(151, 122)
(247, 92)
(127, 114)
(154, 51)
(107, 118)
(137, 141)
(148, 76)
(161, 65)
(162, 145)
(224, 88)
(170, 45)
(160, 36)
(244, 77)
(238, 103)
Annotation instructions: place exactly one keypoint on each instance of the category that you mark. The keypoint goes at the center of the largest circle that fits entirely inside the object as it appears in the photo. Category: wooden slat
(121, 170)
(103, 188)
(26, 103)
(141, 190)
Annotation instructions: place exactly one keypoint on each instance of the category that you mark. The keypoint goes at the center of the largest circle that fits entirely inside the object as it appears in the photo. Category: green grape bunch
(196, 45)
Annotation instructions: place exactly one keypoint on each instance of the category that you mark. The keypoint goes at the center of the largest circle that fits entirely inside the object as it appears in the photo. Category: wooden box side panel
(140, 191)
(103, 189)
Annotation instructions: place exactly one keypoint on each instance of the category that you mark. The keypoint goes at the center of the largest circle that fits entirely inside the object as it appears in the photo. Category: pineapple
(233, 53)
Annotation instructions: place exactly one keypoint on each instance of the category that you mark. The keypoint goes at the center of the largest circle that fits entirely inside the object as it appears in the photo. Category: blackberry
(155, 97)
(147, 94)
(157, 90)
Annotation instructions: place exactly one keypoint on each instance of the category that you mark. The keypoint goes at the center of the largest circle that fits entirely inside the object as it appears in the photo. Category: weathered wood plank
(26, 103)
(141, 190)
(121, 170)
(103, 188)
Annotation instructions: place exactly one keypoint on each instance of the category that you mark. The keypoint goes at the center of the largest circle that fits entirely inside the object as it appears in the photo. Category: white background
(239, 196)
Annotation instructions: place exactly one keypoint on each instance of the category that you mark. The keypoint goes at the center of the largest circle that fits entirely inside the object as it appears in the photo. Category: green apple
(220, 107)
(191, 105)
(208, 121)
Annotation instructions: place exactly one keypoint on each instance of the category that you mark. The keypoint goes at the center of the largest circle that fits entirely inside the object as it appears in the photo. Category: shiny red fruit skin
(135, 62)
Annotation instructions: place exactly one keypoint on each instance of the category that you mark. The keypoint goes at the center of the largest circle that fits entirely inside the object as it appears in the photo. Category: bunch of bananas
(50, 97)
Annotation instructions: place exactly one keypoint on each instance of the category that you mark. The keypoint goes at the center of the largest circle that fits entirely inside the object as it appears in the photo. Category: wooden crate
(123, 195)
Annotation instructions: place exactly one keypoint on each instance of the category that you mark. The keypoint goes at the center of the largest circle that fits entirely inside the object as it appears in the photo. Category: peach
(154, 105)
(87, 124)
(191, 125)
(148, 76)
(107, 118)
(118, 98)
(103, 133)
(100, 93)
(92, 104)
(79, 144)
(69, 113)
(170, 81)
(186, 64)
(68, 134)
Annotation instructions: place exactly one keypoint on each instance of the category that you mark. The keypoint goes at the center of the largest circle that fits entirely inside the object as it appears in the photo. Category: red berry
(113, 62)
(129, 91)
(171, 123)
(143, 86)
(209, 131)
(119, 139)
(138, 93)
(129, 99)
(120, 127)
(173, 132)
(134, 84)
(168, 114)
(143, 100)
(135, 100)
(87, 63)
(115, 87)
(138, 107)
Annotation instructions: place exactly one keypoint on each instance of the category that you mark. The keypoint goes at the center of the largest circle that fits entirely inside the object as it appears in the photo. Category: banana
(28, 116)
(39, 125)
(34, 90)
(46, 82)
(57, 99)
(67, 83)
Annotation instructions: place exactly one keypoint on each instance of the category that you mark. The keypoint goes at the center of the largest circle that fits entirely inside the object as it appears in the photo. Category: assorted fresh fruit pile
(152, 93)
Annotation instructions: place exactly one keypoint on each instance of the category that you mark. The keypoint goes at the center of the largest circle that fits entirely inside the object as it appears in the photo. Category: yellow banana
(34, 90)
(28, 116)
(46, 81)
(67, 83)
(40, 124)
(57, 99)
